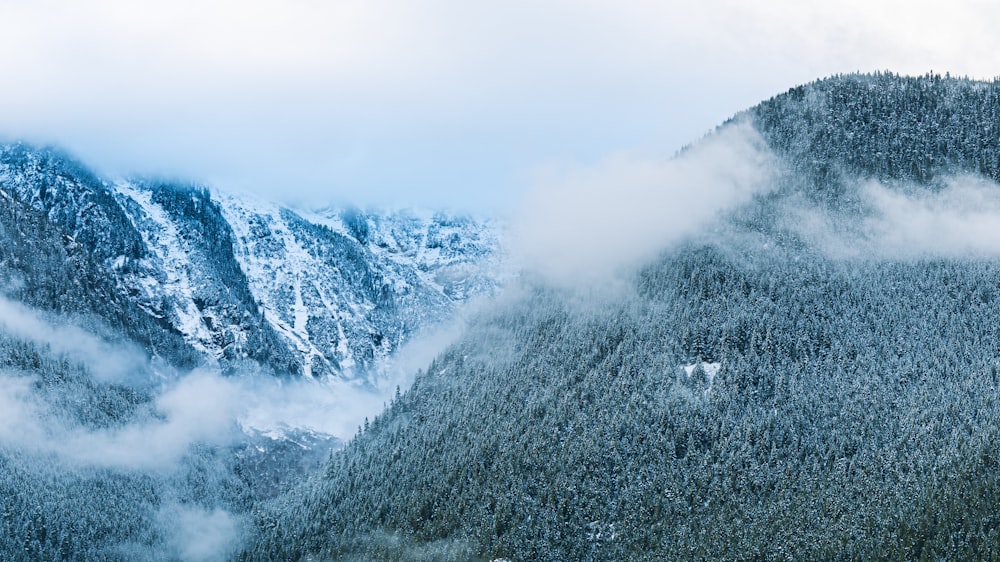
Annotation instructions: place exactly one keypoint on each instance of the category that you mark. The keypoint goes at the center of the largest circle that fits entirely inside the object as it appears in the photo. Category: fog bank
(584, 225)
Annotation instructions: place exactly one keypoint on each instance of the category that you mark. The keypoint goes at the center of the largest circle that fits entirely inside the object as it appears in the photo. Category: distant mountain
(117, 297)
(812, 377)
(328, 293)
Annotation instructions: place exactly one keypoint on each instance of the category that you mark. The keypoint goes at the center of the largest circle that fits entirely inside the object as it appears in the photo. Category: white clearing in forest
(711, 369)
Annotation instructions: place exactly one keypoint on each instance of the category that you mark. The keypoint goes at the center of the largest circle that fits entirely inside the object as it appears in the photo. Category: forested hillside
(756, 393)
(886, 126)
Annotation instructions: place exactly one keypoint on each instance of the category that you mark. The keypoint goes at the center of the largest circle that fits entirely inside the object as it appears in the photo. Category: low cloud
(337, 407)
(176, 426)
(20, 417)
(332, 407)
(109, 362)
(200, 535)
(418, 352)
(586, 225)
(961, 219)
(199, 408)
(204, 407)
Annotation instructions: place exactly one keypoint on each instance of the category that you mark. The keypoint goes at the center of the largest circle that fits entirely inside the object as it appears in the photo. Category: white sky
(433, 102)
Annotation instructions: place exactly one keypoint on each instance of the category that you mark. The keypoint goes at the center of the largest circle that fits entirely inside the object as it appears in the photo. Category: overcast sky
(433, 102)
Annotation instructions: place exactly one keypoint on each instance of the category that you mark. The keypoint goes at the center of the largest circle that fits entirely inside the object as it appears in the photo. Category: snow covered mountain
(328, 293)
(345, 287)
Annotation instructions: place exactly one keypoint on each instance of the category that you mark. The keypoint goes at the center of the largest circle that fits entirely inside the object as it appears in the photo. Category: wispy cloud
(116, 362)
(200, 406)
(586, 224)
(960, 219)
(337, 407)
(200, 535)
(20, 417)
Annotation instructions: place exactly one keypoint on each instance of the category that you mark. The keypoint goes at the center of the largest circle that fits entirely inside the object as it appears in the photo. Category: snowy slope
(164, 283)
(346, 288)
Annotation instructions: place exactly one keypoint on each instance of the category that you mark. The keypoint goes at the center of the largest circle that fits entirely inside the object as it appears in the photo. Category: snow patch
(710, 369)
(598, 531)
